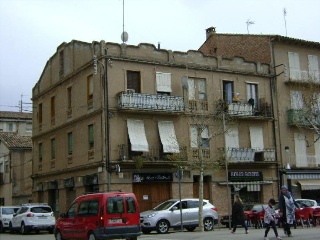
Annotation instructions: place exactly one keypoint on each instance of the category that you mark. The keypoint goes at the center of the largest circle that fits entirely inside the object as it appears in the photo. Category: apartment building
(16, 122)
(295, 86)
(120, 117)
(15, 169)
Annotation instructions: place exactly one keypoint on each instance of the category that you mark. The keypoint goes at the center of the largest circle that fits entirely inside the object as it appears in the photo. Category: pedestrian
(287, 209)
(269, 219)
(238, 217)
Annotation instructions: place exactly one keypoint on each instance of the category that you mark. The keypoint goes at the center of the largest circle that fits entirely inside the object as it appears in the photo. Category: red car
(100, 216)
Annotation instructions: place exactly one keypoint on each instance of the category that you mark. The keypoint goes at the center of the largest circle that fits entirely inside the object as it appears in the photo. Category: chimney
(210, 31)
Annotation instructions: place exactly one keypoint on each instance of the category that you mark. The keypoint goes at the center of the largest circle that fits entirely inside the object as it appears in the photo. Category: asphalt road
(219, 234)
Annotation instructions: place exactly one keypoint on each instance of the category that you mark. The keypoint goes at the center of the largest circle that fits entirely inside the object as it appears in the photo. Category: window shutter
(317, 149)
(232, 137)
(300, 150)
(202, 89)
(296, 100)
(294, 65)
(313, 67)
(191, 89)
(163, 82)
(193, 136)
(256, 137)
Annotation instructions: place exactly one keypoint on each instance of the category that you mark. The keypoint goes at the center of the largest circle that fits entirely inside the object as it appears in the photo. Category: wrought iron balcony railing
(304, 76)
(302, 117)
(306, 161)
(150, 102)
(250, 155)
(246, 109)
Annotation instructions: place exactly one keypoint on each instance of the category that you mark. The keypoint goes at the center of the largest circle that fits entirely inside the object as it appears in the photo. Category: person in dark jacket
(287, 209)
(238, 217)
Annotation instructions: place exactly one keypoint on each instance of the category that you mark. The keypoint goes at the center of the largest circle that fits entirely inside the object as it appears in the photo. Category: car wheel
(227, 225)
(190, 229)
(208, 224)
(162, 226)
(91, 236)
(146, 231)
(23, 229)
(132, 238)
(50, 231)
(59, 236)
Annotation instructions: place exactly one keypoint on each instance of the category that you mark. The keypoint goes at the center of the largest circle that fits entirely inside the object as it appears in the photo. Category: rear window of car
(89, 208)
(41, 209)
(115, 205)
(131, 205)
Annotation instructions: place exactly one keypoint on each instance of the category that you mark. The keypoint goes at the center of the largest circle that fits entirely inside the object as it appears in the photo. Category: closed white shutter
(232, 136)
(191, 89)
(163, 82)
(300, 149)
(313, 67)
(294, 65)
(256, 137)
(193, 137)
(296, 100)
(317, 149)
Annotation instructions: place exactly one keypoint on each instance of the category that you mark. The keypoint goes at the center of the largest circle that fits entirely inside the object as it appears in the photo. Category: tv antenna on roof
(248, 22)
(124, 35)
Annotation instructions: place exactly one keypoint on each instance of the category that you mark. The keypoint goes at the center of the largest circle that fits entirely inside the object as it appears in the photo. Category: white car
(6, 213)
(307, 203)
(33, 217)
(167, 215)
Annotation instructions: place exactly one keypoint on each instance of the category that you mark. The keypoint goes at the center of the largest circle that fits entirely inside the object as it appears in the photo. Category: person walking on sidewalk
(287, 209)
(238, 217)
(269, 219)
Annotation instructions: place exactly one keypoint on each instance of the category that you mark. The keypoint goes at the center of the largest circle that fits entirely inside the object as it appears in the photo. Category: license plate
(115, 220)
(42, 217)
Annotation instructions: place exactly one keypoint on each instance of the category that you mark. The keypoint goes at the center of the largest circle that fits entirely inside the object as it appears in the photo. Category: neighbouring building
(15, 169)
(16, 122)
(296, 100)
(140, 112)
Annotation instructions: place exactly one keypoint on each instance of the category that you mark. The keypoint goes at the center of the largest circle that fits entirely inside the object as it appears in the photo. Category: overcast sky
(31, 30)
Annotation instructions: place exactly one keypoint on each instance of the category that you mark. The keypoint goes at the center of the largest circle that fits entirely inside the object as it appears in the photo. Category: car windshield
(41, 210)
(164, 205)
(247, 207)
(7, 211)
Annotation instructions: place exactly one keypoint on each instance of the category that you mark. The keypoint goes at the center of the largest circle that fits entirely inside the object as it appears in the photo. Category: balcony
(301, 117)
(247, 110)
(307, 161)
(155, 153)
(150, 102)
(304, 76)
(245, 155)
(196, 152)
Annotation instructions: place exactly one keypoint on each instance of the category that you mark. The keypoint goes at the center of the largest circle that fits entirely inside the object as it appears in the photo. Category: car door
(16, 220)
(193, 212)
(174, 214)
(66, 223)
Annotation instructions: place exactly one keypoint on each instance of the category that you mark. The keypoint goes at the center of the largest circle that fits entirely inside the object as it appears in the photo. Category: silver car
(6, 214)
(167, 215)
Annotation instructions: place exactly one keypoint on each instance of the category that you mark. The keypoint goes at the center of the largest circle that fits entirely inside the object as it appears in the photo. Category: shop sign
(244, 176)
(152, 177)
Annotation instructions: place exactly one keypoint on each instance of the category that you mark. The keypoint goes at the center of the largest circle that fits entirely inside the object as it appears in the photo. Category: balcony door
(294, 66)
(300, 149)
(134, 81)
(227, 91)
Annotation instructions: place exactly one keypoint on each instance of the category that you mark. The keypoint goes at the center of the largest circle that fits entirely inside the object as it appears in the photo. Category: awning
(168, 137)
(253, 186)
(310, 184)
(137, 135)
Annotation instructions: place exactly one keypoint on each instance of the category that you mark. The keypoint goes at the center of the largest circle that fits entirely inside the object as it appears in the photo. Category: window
(294, 66)
(71, 211)
(10, 127)
(203, 131)
(252, 94)
(53, 110)
(70, 143)
(228, 91)
(40, 152)
(91, 136)
(313, 67)
(1, 127)
(115, 205)
(69, 97)
(29, 127)
(197, 89)
(53, 149)
(131, 205)
(134, 81)
(163, 81)
(40, 114)
(61, 64)
(89, 208)
(90, 88)
(296, 100)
